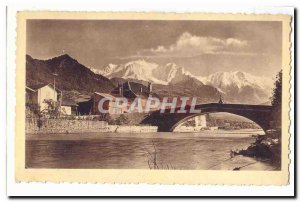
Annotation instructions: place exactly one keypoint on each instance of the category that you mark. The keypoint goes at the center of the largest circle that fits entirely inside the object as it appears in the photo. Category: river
(208, 150)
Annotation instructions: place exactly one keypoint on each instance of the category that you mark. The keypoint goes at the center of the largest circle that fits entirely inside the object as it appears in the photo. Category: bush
(121, 120)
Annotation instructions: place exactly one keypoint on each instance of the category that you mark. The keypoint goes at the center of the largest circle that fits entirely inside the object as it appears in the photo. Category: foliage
(277, 91)
(122, 120)
(276, 99)
(53, 108)
(153, 162)
(32, 111)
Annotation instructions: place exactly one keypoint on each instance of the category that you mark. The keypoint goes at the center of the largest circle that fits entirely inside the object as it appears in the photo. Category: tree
(277, 91)
(53, 108)
(276, 100)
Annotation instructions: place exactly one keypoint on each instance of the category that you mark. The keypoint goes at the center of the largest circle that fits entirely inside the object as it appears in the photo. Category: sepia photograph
(142, 94)
(152, 98)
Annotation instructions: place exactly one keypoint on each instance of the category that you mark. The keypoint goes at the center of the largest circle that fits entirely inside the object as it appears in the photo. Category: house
(108, 105)
(85, 104)
(28, 95)
(39, 95)
(89, 105)
(131, 90)
(68, 107)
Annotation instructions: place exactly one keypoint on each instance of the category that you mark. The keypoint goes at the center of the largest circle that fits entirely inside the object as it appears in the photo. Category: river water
(188, 151)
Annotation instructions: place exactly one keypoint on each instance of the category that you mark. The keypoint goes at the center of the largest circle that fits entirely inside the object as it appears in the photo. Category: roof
(136, 88)
(104, 94)
(38, 86)
(67, 102)
(79, 100)
(29, 89)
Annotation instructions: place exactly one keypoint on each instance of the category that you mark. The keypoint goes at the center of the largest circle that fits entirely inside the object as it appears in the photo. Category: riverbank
(204, 135)
(64, 126)
(265, 147)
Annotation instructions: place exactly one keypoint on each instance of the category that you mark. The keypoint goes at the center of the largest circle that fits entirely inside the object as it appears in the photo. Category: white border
(42, 189)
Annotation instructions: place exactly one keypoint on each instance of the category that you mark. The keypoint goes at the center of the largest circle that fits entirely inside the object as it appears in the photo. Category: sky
(201, 47)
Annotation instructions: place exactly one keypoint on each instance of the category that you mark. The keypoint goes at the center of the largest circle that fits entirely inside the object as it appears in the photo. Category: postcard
(167, 98)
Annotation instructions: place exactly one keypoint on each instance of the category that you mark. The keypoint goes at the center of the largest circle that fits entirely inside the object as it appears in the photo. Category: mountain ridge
(235, 86)
(71, 75)
(167, 80)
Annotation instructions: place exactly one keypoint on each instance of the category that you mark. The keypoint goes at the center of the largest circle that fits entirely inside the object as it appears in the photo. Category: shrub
(122, 120)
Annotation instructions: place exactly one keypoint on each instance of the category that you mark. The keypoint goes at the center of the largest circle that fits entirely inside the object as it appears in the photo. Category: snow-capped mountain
(237, 79)
(146, 71)
(241, 86)
(236, 86)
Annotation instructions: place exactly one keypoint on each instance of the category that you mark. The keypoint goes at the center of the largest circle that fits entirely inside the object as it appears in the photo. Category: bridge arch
(167, 122)
(195, 115)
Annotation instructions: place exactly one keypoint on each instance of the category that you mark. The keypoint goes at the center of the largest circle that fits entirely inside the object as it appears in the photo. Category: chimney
(141, 90)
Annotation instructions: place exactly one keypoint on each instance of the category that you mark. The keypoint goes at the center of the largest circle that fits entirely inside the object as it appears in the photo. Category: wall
(82, 126)
(66, 110)
(65, 126)
(46, 92)
(133, 118)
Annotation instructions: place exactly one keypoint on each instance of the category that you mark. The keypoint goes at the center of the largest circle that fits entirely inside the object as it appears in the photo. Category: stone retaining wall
(64, 126)
(82, 126)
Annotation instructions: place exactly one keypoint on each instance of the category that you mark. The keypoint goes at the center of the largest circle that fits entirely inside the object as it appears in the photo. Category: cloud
(188, 45)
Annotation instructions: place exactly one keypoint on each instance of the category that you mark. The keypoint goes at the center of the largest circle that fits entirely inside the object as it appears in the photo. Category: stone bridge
(167, 122)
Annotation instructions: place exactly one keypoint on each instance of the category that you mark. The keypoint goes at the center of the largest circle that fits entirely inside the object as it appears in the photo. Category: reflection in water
(133, 151)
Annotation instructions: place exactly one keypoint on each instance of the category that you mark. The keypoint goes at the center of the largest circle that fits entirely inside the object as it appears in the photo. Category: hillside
(71, 75)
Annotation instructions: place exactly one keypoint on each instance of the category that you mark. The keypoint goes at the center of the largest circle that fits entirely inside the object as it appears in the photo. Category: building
(68, 107)
(29, 91)
(200, 121)
(89, 105)
(39, 95)
(108, 105)
(85, 104)
(131, 90)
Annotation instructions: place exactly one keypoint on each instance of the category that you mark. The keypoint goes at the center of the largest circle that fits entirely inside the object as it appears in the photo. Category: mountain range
(167, 80)
(234, 86)
(145, 71)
